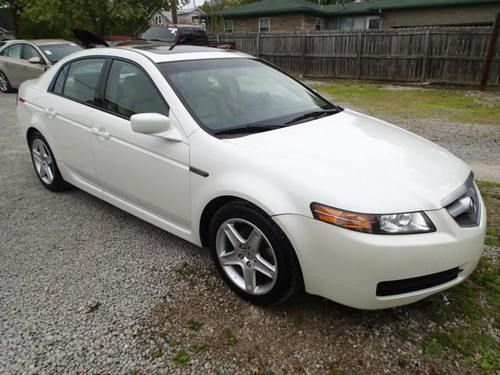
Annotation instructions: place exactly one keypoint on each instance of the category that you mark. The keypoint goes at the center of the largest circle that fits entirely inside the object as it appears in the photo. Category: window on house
(158, 19)
(345, 24)
(228, 26)
(264, 24)
(374, 23)
(319, 24)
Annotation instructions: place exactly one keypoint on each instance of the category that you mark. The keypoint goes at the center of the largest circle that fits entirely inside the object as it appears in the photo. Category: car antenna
(177, 38)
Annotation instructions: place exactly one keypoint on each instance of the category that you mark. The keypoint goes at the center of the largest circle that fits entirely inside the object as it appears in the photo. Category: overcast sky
(191, 5)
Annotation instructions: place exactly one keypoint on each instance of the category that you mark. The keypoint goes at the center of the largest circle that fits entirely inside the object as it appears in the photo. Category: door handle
(101, 133)
(50, 113)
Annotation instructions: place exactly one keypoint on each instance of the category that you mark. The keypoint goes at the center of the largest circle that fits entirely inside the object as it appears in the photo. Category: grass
(157, 353)
(229, 337)
(491, 196)
(181, 357)
(194, 325)
(446, 104)
(475, 303)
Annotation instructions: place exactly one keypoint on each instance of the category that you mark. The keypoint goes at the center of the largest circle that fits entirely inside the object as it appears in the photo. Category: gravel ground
(78, 277)
(87, 288)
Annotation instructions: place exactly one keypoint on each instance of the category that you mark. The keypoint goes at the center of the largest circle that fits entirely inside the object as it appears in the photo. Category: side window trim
(50, 89)
(13, 45)
(23, 52)
(104, 83)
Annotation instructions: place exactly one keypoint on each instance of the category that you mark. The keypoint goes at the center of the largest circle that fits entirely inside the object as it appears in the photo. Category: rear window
(160, 33)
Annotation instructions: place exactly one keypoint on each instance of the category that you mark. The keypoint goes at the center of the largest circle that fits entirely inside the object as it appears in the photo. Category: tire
(5, 86)
(45, 164)
(253, 255)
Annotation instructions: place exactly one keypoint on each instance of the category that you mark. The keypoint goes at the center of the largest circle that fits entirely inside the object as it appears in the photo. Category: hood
(88, 39)
(358, 163)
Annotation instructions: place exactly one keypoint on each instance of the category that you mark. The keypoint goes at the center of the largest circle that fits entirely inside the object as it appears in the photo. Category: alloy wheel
(4, 84)
(246, 256)
(44, 164)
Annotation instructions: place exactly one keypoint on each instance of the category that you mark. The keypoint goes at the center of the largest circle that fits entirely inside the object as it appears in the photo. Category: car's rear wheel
(4, 83)
(45, 164)
(253, 255)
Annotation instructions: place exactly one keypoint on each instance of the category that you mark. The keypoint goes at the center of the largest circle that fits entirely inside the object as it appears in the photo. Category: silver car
(21, 60)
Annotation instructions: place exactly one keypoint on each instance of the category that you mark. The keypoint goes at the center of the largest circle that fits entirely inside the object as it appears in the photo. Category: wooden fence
(441, 55)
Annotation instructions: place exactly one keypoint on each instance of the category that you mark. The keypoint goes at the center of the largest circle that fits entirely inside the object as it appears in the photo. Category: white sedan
(288, 190)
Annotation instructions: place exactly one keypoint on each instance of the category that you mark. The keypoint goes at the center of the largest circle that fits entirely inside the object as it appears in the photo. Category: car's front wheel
(45, 164)
(253, 255)
(4, 83)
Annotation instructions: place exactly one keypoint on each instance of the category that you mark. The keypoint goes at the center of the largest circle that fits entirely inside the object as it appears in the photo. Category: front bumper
(346, 266)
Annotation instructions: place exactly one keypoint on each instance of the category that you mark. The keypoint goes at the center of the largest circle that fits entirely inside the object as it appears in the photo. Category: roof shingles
(267, 7)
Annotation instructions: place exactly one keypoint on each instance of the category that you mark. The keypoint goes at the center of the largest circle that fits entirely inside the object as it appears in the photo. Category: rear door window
(15, 51)
(82, 80)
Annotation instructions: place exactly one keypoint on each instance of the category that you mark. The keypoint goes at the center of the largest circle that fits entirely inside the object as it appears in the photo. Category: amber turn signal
(345, 219)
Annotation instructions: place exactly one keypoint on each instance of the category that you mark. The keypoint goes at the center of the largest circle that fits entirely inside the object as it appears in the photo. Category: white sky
(191, 5)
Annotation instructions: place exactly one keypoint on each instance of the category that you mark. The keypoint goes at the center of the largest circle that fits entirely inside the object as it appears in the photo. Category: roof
(39, 42)
(272, 7)
(183, 12)
(267, 7)
(49, 41)
(162, 53)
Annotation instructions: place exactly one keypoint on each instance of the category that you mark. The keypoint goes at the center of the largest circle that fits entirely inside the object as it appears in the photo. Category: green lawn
(464, 328)
(467, 106)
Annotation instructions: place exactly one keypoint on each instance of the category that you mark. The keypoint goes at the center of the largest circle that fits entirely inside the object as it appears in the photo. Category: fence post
(425, 59)
(489, 54)
(304, 52)
(360, 50)
(257, 45)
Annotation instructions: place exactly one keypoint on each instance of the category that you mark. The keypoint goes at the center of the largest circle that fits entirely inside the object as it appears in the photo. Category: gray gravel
(61, 255)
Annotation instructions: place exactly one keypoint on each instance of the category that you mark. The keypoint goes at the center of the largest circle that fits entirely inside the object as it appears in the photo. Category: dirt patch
(221, 333)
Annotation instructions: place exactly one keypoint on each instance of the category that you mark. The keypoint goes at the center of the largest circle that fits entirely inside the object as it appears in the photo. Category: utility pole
(173, 9)
(490, 54)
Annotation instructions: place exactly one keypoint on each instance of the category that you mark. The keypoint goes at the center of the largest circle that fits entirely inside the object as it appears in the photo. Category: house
(161, 17)
(190, 16)
(303, 15)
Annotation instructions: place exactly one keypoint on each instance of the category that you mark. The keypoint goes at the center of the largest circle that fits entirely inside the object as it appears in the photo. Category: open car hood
(88, 39)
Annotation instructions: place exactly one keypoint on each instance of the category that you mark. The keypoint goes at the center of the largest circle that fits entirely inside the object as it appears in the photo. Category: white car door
(70, 111)
(146, 172)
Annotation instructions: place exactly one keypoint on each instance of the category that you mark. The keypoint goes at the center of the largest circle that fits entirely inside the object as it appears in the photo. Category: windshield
(56, 52)
(233, 93)
(164, 34)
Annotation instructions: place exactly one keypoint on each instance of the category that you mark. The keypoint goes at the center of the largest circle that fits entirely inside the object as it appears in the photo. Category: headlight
(403, 223)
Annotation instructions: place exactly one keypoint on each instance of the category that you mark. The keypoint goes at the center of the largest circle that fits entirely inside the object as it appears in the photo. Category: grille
(390, 288)
(466, 210)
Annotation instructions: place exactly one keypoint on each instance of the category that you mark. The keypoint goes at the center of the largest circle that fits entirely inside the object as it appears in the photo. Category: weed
(157, 353)
(197, 348)
(181, 357)
(194, 325)
(229, 337)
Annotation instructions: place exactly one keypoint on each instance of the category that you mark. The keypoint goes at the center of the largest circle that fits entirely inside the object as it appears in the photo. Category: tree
(56, 18)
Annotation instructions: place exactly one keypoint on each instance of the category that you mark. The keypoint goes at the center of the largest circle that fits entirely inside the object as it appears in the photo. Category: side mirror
(155, 124)
(35, 60)
(150, 123)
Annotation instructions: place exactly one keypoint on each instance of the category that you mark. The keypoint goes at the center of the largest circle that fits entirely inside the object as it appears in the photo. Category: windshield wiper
(247, 129)
(314, 115)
